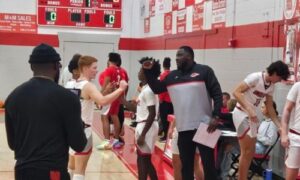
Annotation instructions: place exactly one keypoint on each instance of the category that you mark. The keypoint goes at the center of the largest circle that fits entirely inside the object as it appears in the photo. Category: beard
(182, 65)
(56, 78)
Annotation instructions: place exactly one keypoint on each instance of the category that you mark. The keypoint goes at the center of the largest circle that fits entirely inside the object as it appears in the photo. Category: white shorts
(150, 138)
(293, 157)
(243, 125)
(104, 109)
(293, 151)
(89, 145)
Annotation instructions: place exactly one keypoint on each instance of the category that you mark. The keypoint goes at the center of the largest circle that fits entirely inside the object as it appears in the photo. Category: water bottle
(268, 174)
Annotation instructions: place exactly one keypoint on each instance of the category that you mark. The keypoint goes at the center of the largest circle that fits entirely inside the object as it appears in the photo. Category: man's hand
(151, 67)
(213, 125)
(285, 142)
(141, 140)
(123, 85)
(108, 89)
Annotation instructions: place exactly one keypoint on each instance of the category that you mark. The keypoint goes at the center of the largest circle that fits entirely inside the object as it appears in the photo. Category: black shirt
(42, 120)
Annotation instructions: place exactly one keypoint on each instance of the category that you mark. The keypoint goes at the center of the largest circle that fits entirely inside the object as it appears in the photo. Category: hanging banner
(175, 4)
(147, 25)
(18, 23)
(151, 8)
(198, 17)
(218, 13)
(181, 21)
(168, 23)
(291, 9)
(159, 7)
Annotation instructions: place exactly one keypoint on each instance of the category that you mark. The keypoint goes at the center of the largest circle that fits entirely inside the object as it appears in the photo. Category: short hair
(280, 68)
(115, 58)
(189, 50)
(226, 94)
(74, 62)
(167, 62)
(86, 61)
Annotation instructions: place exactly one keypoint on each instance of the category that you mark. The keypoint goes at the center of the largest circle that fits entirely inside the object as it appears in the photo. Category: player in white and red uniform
(89, 95)
(290, 134)
(249, 95)
(146, 131)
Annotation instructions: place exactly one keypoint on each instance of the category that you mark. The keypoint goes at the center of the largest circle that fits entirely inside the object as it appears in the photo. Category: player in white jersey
(290, 132)
(249, 95)
(89, 94)
(146, 131)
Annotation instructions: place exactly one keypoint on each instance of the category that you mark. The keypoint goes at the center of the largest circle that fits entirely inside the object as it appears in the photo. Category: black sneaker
(133, 124)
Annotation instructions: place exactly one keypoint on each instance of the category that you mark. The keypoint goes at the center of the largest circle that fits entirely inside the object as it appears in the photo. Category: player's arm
(238, 93)
(289, 106)
(271, 111)
(101, 100)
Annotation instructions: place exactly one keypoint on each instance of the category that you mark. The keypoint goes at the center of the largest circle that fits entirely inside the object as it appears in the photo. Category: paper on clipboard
(205, 138)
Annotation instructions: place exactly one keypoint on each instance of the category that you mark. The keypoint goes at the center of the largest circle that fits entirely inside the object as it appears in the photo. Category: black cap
(43, 53)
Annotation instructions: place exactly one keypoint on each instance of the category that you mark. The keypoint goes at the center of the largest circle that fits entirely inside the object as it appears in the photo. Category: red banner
(175, 4)
(168, 23)
(181, 21)
(18, 23)
(80, 13)
(218, 13)
(198, 17)
(151, 8)
(147, 25)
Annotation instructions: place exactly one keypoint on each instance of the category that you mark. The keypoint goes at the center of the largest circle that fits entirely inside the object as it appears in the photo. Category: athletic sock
(78, 177)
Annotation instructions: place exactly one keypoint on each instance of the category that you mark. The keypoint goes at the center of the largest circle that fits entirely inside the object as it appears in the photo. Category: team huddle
(49, 126)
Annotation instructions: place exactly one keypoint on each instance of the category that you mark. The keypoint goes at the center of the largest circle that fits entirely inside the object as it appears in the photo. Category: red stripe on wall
(20, 39)
(267, 34)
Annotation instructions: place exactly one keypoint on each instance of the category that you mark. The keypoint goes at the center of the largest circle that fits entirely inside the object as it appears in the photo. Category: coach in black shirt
(42, 120)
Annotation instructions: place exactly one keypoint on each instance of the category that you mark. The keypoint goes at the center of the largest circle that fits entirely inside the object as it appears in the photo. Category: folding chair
(257, 163)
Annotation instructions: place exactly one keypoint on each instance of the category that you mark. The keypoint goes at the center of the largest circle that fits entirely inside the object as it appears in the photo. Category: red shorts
(114, 108)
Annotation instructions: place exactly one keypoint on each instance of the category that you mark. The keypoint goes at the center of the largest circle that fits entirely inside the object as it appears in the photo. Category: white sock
(70, 171)
(78, 177)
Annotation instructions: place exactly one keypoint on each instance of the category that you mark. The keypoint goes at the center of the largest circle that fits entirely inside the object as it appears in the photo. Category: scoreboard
(80, 13)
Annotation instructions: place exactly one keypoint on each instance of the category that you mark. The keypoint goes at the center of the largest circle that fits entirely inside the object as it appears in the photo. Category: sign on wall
(168, 23)
(18, 23)
(80, 13)
(290, 9)
(151, 8)
(147, 25)
(198, 17)
(181, 21)
(218, 13)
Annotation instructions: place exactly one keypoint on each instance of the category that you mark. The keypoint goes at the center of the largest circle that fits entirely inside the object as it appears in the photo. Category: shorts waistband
(239, 108)
(294, 132)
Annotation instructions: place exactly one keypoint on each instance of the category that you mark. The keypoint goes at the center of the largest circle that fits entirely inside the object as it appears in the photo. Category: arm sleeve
(252, 79)
(9, 129)
(215, 91)
(73, 124)
(150, 98)
(293, 93)
(269, 137)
